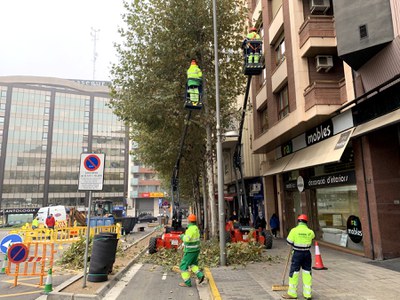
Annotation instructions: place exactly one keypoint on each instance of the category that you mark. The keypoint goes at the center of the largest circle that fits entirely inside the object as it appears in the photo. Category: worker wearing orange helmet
(300, 238)
(191, 241)
(252, 50)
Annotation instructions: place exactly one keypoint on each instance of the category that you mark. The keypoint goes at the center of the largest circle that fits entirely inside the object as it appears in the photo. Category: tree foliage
(148, 83)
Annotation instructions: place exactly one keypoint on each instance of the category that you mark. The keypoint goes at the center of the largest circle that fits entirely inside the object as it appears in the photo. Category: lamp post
(221, 204)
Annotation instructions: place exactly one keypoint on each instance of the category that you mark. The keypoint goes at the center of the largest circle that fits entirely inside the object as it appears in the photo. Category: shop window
(335, 206)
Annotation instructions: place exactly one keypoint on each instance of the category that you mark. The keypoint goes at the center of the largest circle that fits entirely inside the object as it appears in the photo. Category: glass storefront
(336, 206)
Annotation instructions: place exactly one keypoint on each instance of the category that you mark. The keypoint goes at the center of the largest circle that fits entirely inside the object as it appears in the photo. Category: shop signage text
(151, 195)
(354, 229)
(317, 134)
(332, 179)
(21, 210)
(343, 178)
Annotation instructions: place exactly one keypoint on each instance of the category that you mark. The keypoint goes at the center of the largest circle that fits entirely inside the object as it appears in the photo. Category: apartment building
(45, 125)
(145, 194)
(326, 119)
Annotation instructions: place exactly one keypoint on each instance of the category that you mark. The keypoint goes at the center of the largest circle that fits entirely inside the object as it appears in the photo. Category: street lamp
(221, 203)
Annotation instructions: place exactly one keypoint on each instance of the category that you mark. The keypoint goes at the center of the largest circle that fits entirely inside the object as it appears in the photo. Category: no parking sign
(91, 172)
(17, 253)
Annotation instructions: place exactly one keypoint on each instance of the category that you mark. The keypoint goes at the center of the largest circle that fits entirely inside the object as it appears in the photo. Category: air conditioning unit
(319, 6)
(323, 62)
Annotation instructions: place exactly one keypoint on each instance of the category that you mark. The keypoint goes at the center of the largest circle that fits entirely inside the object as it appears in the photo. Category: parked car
(146, 218)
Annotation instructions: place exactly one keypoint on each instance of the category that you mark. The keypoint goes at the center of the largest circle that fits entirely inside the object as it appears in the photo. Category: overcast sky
(53, 37)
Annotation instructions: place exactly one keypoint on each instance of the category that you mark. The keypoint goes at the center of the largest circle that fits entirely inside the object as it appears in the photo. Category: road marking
(121, 284)
(19, 294)
(164, 276)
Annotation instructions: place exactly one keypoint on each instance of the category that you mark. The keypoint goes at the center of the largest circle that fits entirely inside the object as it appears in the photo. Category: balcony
(322, 92)
(317, 35)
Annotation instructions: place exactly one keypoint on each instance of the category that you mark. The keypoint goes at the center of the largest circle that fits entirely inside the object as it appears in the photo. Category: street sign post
(8, 240)
(91, 172)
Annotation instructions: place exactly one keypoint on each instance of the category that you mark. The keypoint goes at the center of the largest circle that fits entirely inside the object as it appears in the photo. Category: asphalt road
(28, 287)
(152, 282)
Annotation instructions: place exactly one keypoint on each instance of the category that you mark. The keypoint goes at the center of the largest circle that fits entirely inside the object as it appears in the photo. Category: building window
(280, 50)
(283, 103)
(264, 120)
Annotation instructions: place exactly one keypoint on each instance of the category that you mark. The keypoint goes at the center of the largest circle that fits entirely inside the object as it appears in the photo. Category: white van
(59, 212)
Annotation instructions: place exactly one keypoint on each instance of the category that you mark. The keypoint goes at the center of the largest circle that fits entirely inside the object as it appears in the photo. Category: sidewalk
(347, 277)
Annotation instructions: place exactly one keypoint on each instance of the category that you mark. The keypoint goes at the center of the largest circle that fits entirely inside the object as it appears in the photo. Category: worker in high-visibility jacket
(191, 242)
(194, 82)
(252, 50)
(300, 238)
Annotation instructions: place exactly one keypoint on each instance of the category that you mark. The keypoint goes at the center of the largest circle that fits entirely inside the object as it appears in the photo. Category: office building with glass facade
(45, 126)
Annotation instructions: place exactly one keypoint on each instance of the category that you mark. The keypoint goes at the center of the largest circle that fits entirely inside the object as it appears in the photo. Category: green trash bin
(103, 256)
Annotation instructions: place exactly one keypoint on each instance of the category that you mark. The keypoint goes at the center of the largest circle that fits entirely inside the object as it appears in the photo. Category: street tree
(148, 83)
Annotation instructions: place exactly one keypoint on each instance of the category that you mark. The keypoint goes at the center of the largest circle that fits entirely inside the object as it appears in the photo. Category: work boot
(187, 283)
(201, 279)
(287, 296)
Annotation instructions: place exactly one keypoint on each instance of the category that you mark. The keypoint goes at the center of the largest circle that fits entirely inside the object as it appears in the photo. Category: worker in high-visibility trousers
(300, 238)
(194, 82)
(191, 241)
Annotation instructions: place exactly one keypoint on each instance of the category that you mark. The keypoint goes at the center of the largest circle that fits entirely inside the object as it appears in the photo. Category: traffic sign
(18, 253)
(91, 172)
(9, 240)
(91, 162)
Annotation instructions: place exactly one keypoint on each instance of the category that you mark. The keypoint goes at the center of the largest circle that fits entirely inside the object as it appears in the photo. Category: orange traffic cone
(319, 265)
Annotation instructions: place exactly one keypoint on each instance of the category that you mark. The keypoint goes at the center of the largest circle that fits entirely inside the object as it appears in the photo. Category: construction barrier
(35, 265)
(64, 234)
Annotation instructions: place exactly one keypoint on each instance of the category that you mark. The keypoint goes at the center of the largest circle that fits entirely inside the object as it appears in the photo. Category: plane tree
(148, 84)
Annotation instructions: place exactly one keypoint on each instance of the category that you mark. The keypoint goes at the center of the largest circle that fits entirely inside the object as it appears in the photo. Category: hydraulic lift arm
(176, 217)
(244, 215)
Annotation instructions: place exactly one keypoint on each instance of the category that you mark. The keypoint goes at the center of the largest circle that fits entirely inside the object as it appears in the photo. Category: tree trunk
(210, 184)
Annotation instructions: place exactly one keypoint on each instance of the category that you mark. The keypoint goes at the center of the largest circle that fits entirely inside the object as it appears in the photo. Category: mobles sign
(319, 133)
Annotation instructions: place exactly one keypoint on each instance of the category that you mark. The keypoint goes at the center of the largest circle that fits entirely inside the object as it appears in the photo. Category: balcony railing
(319, 31)
(324, 93)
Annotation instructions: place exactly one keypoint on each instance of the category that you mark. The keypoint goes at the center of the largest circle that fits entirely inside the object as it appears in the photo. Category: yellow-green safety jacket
(253, 36)
(191, 238)
(194, 72)
(300, 237)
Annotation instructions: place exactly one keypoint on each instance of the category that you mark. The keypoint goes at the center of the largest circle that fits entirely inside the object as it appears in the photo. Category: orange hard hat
(252, 29)
(192, 218)
(302, 218)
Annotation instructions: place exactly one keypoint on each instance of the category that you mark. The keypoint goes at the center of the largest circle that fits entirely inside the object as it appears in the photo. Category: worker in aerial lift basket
(252, 50)
(194, 82)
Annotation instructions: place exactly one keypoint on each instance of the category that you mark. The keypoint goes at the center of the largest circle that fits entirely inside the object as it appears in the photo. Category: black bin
(103, 256)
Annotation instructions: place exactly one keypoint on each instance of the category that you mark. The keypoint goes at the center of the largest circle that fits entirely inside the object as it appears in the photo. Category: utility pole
(93, 33)
(220, 166)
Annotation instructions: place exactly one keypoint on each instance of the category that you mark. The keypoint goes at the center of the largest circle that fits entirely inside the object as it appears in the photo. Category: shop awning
(279, 165)
(386, 120)
(327, 151)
